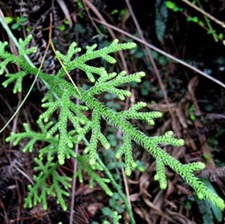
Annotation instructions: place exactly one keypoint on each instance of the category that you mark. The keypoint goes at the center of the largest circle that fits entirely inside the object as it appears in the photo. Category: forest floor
(191, 100)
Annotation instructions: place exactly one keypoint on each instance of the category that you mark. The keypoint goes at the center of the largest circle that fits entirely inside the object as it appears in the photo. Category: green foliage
(40, 190)
(112, 211)
(206, 212)
(172, 6)
(205, 23)
(161, 14)
(86, 166)
(17, 22)
(212, 210)
(116, 218)
(191, 111)
(113, 215)
(65, 123)
(62, 27)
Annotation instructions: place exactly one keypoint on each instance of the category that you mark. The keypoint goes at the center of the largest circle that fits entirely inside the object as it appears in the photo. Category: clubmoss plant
(64, 123)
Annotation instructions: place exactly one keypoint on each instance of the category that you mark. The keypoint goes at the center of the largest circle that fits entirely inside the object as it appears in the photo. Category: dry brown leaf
(94, 207)
(178, 217)
(143, 214)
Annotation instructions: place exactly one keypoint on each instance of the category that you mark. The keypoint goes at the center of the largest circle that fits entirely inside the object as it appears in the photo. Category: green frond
(5, 57)
(91, 70)
(90, 49)
(19, 60)
(131, 114)
(167, 139)
(90, 54)
(109, 85)
(23, 50)
(56, 188)
(91, 149)
(51, 108)
(104, 141)
(116, 217)
(3, 65)
(28, 134)
(48, 151)
(195, 166)
(39, 191)
(126, 149)
(81, 133)
(33, 137)
(187, 174)
(18, 77)
(68, 112)
(66, 59)
(94, 177)
(105, 78)
(49, 97)
(137, 106)
(2, 48)
(44, 126)
(151, 144)
(120, 93)
(161, 174)
(64, 124)
(79, 111)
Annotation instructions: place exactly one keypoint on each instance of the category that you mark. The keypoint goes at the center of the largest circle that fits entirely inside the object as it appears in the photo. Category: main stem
(118, 188)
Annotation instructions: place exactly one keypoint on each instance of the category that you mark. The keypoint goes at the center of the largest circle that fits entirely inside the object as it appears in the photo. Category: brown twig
(65, 10)
(205, 13)
(163, 53)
